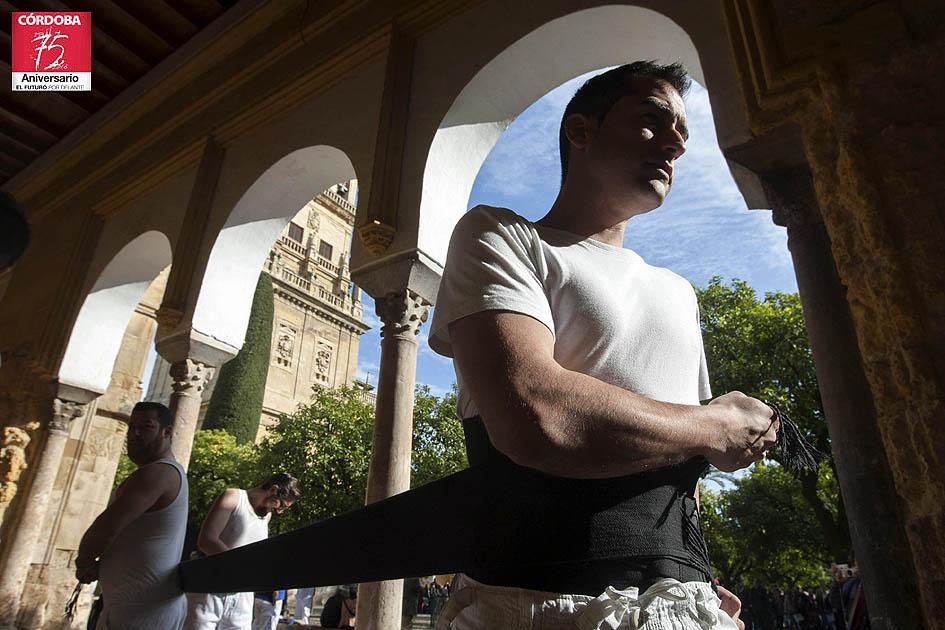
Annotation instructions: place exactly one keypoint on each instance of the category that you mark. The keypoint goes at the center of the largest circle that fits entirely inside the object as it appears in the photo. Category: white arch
(226, 295)
(99, 329)
(521, 74)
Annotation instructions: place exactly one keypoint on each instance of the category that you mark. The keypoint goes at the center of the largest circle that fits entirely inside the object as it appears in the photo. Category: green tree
(327, 445)
(760, 347)
(236, 403)
(217, 462)
(763, 532)
(439, 447)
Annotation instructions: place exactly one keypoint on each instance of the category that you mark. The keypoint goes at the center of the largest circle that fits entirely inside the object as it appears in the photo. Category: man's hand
(746, 428)
(731, 605)
(86, 572)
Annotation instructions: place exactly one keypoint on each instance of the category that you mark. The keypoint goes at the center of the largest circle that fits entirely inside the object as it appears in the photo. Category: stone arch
(519, 75)
(254, 223)
(97, 335)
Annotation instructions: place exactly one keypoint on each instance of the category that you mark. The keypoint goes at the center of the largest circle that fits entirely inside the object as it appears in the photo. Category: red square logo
(52, 51)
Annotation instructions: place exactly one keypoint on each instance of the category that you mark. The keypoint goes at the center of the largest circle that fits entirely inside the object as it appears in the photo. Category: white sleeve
(705, 390)
(494, 263)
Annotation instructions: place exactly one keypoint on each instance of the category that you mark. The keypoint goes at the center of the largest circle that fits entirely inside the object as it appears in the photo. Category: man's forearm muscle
(562, 422)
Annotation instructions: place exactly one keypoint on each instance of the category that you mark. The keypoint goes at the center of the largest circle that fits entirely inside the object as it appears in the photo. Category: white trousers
(667, 605)
(303, 604)
(265, 614)
(219, 611)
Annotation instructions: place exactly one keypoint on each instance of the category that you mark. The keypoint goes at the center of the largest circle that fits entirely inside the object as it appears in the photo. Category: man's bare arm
(573, 425)
(208, 541)
(143, 489)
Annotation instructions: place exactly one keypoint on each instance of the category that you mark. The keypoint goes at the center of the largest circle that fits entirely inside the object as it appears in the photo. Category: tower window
(324, 250)
(295, 232)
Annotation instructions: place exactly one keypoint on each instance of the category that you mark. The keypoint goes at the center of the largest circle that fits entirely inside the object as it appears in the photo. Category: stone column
(189, 377)
(862, 468)
(402, 314)
(24, 537)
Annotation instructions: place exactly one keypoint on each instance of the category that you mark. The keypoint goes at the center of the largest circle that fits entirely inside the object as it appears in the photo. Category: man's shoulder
(153, 471)
(483, 219)
(671, 280)
(229, 498)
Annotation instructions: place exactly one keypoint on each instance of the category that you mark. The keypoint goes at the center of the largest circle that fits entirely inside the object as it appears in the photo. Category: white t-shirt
(613, 316)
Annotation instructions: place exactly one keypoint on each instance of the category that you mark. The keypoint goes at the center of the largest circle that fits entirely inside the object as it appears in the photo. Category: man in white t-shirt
(237, 518)
(579, 362)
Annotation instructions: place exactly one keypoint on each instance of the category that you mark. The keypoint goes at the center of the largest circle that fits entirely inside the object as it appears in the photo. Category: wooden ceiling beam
(26, 132)
(126, 29)
(20, 150)
(32, 117)
(118, 57)
(10, 163)
(200, 12)
(163, 19)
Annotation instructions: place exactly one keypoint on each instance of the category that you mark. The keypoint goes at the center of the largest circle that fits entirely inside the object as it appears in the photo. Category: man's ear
(580, 130)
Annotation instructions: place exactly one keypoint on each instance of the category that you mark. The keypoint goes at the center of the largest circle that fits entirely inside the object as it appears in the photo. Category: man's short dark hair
(599, 93)
(164, 415)
(288, 486)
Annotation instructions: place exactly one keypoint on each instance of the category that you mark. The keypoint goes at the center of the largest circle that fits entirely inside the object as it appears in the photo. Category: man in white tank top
(134, 546)
(238, 517)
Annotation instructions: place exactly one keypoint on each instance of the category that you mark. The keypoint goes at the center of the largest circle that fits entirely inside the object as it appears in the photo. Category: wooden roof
(129, 37)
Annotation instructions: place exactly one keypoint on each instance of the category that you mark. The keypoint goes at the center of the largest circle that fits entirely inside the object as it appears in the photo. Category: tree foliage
(217, 462)
(439, 447)
(760, 347)
(763, 532)
(237, 400)
(327, 445)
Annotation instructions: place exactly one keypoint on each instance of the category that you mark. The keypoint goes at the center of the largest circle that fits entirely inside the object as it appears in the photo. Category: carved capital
(376, 236)
(792, 198)
(189, 377)
(64, 412)
(402, 314)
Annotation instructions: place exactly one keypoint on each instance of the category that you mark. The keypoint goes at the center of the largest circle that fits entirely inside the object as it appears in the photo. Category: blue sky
(703, 229)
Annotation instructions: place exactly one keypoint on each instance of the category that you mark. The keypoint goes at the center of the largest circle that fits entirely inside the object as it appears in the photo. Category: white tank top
(139, 566)
(244, 526)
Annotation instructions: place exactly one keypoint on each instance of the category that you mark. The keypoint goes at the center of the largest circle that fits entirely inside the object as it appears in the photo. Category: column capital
(402, 314)
(189, 377)
(190, 344)
(64, 412)
(792, 198)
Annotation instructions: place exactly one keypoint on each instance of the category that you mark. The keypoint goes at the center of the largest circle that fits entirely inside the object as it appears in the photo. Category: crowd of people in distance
(839, 606)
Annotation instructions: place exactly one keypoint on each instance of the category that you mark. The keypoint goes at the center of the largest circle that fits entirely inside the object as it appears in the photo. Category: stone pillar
(24, 537)
(402, 314)
(189, 377)
(869, 495)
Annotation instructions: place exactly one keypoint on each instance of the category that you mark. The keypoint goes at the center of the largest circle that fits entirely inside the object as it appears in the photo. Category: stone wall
(876, 158)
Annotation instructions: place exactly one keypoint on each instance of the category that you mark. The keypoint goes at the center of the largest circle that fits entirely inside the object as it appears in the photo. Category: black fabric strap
(504, 522)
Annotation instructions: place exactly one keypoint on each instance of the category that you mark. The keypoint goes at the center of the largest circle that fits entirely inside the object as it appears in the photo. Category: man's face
(271, 503)
(147, 439)
(633, 153)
